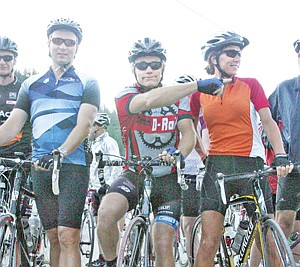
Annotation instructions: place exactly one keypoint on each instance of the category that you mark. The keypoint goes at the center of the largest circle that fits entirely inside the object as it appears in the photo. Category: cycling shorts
(165, 191)
(190, 198)
(64, 209)
(288, 190)
(211, 199)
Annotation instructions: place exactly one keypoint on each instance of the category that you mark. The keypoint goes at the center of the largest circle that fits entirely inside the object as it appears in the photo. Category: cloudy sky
(110, 27)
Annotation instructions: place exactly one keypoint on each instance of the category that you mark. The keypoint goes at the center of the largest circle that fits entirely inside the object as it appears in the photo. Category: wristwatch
(62, 151)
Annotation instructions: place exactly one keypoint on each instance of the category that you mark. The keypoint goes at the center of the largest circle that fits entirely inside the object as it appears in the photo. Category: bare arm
(199, 147)
(188, 136)
(162, 96)
(12, 125)
(85, 119)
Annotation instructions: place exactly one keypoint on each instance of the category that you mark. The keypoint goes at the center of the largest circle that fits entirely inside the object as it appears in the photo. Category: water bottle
(27, 234)
(239, 237)
(229, 235)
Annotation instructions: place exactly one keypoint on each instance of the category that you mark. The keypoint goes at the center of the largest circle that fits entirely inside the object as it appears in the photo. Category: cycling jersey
(22, 142)
(107, 145)
(53, 107)
(232, 120)
(147, 133)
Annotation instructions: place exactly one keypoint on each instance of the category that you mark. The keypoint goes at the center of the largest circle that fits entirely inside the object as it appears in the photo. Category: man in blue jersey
(62, 104)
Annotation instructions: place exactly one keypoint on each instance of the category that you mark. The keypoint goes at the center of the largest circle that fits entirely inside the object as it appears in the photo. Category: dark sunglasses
(232, 53)
(144, 65)
(60, 41)
(7, 58)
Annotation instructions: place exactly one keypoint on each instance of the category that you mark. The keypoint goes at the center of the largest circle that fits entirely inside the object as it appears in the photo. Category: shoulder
(127, 90)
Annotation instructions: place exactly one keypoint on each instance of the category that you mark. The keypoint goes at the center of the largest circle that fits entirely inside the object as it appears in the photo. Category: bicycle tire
(134, 244)
(221, 257)
(281, 244)
(180, 252)
(10, 255)
(87, 236)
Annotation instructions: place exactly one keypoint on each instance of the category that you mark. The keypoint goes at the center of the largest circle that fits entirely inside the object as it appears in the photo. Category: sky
(182, 26)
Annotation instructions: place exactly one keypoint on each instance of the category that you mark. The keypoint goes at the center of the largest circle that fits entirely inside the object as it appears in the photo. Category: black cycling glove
(172, 150)
(209, 86)
(280, 160)
(46, 161)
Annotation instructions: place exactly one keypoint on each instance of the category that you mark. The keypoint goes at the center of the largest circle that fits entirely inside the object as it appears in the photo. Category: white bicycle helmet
(218, 41)
(296, 45)
(185, 79)
(8, 45)
(102, 119)
(68, 24)
(146, 47)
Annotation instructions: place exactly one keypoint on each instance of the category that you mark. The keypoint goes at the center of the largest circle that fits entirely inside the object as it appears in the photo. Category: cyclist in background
(9, 90)
(151, 118)
(284, 103)
(101, 141)
(235, 144)
(62, 104)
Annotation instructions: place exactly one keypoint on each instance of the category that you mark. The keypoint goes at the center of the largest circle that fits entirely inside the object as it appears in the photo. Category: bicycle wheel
(180, 252)
(133, 244)
(283, 254)
(87, 235)
(221, 258)
(10, 255)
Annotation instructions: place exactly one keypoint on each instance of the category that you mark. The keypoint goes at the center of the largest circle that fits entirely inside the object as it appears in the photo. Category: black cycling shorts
(165, 191)
(64, 209)
(190, 198)
(211, 199)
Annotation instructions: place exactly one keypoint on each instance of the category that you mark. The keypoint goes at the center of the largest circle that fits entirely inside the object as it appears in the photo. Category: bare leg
(163, 238)
(54, 247)
(112, 208)
(187, 225)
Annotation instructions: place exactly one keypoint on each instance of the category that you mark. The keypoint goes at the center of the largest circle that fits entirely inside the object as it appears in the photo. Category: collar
(101, 137)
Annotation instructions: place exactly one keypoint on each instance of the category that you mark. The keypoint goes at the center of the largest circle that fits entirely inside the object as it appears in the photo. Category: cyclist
(9, 90)
(235, 144)
(101, 141)
(62, 104)
(150, 123)
(284, 106)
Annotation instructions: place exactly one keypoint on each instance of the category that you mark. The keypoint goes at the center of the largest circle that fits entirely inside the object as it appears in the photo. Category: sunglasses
(144, 65)
(232, 53)
(60, 41)
(7, 58)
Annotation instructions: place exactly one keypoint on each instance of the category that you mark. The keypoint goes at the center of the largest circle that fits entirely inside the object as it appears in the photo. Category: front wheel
(133, 245)
(10, 255)
(276, 249)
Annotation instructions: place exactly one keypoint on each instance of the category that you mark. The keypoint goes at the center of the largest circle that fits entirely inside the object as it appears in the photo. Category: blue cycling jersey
(53, 107)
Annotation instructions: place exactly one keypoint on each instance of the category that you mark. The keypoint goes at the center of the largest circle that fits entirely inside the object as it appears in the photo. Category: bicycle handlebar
(55, 172)
(16, 162)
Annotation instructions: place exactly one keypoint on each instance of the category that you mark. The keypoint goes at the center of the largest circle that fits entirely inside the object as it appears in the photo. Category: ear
(213, 59)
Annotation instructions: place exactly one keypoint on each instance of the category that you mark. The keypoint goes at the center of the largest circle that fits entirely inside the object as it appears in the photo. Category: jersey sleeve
(195, 104)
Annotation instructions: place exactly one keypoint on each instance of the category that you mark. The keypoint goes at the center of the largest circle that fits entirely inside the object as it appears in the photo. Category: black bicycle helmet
(146, 47)
(102, 119)
(185, 79)
(68, 24)
(296, 45)
(222, 39)
(8, 45)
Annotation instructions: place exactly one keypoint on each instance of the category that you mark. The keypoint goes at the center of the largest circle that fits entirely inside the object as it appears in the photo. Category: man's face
(148, 71)
(7, 62)
(62, 46)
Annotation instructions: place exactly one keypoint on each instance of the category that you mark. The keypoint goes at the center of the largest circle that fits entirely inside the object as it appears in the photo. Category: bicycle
(16, 246)
(135, 248)
(232, 253)
(180, 253)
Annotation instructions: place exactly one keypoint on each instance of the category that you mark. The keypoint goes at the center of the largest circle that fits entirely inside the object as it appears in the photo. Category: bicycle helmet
(296, 45)
(8, 45)
(185, 79)
(222, 39)
(102, 119)
(146, 47)
(68, 24)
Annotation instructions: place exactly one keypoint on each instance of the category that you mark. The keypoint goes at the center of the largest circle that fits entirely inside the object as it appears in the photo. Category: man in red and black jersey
(9, 89)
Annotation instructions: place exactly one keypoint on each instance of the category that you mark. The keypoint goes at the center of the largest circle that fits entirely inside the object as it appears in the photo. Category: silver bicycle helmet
(185, 79)
(8, 45)
(68, 24)
(296, 45)
(102, 119)
(222, 39)
(147, 47)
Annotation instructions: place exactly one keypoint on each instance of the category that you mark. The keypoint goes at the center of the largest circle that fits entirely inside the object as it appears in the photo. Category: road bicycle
(235, 245)
(18, 246)
(180, 253)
